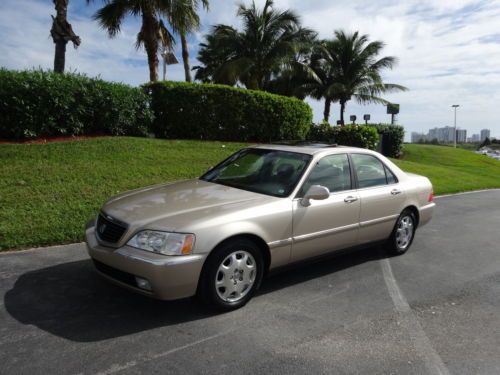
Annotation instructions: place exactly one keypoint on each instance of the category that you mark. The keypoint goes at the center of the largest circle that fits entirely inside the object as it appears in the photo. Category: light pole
(168, 59)
(455, 106)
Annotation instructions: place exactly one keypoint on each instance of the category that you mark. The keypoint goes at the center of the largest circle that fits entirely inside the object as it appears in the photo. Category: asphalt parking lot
(435, 310)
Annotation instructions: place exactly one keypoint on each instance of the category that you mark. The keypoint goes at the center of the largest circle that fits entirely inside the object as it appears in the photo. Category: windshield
(263, 171)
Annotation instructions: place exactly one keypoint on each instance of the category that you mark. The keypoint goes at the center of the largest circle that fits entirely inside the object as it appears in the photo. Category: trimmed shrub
(38, 103)
(219, 112)
(347, 135)
(392, 138)
(356, 136)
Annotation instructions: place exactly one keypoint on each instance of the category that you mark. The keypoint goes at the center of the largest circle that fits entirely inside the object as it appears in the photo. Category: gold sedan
(262, 208)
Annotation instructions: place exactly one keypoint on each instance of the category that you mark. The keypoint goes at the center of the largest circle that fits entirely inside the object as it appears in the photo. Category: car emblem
(102, 228)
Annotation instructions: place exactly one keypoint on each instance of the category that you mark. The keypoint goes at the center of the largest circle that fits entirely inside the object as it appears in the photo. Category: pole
(455, 106)
(455, 138)
(164, 67)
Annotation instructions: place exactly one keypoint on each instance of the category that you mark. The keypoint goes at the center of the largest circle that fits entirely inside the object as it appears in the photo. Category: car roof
(312, 148)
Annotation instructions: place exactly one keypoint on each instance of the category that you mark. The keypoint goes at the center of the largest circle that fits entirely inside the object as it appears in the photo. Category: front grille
(124, 277)
(109, 230)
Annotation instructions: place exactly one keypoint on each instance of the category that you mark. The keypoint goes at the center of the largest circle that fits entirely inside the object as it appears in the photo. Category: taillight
(431, 196)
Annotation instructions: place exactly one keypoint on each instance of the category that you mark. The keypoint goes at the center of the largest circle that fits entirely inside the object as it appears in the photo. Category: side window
(369, 170)
(332, 172)
(391, 179)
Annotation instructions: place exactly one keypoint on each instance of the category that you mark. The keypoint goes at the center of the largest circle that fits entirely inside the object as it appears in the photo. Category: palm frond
(111, 15)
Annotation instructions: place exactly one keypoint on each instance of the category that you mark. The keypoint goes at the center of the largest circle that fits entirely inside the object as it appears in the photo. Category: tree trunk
(185, 57)
(62, 33)
(342, 110)
(60, 56)
(326, 112)
(153, 62)
(150, 44)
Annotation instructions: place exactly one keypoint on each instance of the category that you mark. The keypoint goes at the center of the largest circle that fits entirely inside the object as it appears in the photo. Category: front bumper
(425, 213)
(170, 277)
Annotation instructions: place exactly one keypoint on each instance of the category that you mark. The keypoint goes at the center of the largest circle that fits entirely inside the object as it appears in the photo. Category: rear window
(370, 171)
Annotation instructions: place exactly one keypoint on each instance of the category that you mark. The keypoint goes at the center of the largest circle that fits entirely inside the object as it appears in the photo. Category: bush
(347, 135)
(392, 137)
(38, 103)
(219, 112)
(356, 136)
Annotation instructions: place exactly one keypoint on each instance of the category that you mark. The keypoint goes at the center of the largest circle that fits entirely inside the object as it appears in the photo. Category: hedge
(219, 112)
(388, 139)
(39, 103)
(347, 135)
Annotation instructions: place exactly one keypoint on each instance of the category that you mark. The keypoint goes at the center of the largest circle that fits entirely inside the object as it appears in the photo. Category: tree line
(271, 52)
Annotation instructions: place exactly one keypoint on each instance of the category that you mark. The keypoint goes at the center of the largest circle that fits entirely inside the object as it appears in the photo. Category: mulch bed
(42, 140)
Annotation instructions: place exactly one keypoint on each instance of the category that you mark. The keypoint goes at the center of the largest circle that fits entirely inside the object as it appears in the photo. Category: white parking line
(423, 345)
(120, 367)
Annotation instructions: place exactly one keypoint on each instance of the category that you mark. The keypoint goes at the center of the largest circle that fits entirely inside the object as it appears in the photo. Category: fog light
(143, 283)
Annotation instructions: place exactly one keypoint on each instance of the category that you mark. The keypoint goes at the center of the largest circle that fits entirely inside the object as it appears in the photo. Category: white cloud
(448, 50)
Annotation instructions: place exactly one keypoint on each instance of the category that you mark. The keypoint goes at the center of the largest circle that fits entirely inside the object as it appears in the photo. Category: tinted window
(332, 172)
(263, 171)
(391, 179)
(369, 170)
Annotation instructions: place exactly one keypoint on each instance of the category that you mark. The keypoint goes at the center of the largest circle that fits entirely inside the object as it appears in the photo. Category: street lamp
(455, 106)
(168, 59)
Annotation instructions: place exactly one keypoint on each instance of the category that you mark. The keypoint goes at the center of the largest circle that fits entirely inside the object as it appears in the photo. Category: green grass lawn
(451, 170)
(48, 191)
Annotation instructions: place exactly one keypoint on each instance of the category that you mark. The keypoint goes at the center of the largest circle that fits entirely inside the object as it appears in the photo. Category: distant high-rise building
(433, 134)
(485, 133)
(446, 134)
(417, 137)
(461, 135)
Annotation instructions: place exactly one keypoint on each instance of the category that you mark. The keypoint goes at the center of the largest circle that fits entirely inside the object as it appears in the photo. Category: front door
(329, 224)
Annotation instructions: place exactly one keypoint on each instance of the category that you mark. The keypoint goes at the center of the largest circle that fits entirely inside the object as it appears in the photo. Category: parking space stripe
(410, 322)
(117, 367)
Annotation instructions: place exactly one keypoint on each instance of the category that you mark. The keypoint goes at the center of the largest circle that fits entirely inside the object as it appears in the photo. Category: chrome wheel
(235, 276)
(404, 232)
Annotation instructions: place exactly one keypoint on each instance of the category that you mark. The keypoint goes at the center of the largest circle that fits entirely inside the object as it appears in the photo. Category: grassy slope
(451, 170)
(48, 191)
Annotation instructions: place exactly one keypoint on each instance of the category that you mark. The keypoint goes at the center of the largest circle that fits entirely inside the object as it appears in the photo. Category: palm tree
(346, 67)
(184, 19)
(153, 34)
(62, 33)
(253, 56)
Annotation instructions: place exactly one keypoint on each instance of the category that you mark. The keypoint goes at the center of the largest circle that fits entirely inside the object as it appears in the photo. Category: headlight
(165, 243)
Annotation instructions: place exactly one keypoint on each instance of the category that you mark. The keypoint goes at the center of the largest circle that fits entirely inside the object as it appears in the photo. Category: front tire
(403, 233)
(232, 274)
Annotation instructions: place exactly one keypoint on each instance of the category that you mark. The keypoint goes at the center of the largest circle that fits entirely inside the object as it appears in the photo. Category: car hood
(167, 201)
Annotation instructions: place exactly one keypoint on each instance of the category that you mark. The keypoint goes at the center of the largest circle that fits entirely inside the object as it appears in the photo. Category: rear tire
(403, 233)
(231, 275)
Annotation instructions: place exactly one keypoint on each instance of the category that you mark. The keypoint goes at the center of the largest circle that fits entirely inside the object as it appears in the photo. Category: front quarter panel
(270, 220)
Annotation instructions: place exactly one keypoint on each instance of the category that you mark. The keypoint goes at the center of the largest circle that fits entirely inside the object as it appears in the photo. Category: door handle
(350, 199)
(395, 192)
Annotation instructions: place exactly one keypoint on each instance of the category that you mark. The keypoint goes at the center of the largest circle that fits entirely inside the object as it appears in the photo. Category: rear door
(330, 224)
(381, 196)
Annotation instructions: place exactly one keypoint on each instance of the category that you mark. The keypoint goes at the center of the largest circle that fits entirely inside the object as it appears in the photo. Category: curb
(37, 249)
(466, 192)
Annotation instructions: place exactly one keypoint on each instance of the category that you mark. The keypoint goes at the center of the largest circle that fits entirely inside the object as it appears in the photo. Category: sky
(448, 51)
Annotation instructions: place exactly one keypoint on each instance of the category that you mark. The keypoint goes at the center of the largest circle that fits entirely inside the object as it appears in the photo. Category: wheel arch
(415, 211)
(262, 245)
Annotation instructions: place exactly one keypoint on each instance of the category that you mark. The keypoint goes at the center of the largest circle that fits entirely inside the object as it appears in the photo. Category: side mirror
(316, 192)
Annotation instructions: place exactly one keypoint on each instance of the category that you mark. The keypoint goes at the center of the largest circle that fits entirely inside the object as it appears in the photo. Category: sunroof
(312, 144)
